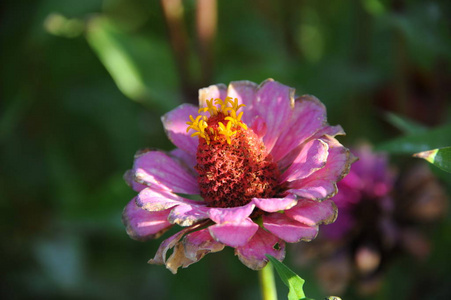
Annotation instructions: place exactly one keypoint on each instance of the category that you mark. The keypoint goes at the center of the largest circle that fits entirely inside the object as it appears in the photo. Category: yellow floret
(228, 108)
(199, 124)
(226, 131)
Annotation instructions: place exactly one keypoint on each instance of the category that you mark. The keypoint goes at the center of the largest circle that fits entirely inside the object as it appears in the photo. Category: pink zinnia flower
(263, 163)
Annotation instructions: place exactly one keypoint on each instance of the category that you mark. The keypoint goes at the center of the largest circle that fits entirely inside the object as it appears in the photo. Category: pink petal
(187, 214)
(312, 157)
(253, 253)
(317, 190)
(213, 91)
(308, 117)
(233, 228)
(287, 229)
(323, 183)
(174, 123)
(312, 213)
(129, 178)
(200, 243)
(234, 234)
(157, 168)
(187, 159)
(157, 200)
(231, 214)
(142, 225)
(274, 102)
(258, 125)
(275, 204)
(245, 91)
(331, 131)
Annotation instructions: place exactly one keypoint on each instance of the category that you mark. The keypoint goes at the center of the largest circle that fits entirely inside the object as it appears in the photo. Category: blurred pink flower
(381, 215)
(370, 181)
(264, 175)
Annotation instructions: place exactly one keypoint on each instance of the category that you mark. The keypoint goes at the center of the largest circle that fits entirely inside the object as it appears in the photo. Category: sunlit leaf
(141, 68)
(438, 157)
(290, 279)
(419, 142)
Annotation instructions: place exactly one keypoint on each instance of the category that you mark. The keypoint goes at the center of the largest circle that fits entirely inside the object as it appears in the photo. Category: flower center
(232, 162)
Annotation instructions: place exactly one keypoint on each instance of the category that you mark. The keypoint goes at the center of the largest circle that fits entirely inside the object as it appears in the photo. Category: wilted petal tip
(308, 97)
(351, 158)
(141, 152)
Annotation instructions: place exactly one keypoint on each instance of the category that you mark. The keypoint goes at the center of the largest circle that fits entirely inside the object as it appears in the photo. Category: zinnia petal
(169, 243)
(259, 126)
(142, 225)
(158, 168)
(308, 117)
(330, 131)
(274, 102)
(191, 249)
(288, 229)
(253, 254)
(188, 159)
(157, 200)
(234, 234)
(245, 91)
(275, 204)
(326, 131)
(177, 258)
(213, 91)
(312, 213)
(200, 243)
(129, 178)
(322, 184)
(231, 214)
(312, 157)
(174, 123)
(187, 214)
(233, 225)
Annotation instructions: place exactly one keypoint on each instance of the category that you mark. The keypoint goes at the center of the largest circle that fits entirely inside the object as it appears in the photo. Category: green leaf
(290, 279)
(141, 68)
(439, 157)
(404, 124)
(418, 142)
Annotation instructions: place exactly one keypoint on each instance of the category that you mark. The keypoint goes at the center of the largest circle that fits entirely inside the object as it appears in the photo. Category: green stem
(267, 283)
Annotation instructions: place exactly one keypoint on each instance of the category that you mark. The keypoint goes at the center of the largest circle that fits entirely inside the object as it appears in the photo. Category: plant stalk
(267, 283)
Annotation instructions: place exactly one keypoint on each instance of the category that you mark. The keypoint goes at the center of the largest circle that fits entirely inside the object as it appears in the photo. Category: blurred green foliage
(83, 86)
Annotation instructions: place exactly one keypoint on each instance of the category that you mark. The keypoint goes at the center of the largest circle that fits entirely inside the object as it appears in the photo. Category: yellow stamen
(211, 108)
(228, 108)
(226, 131)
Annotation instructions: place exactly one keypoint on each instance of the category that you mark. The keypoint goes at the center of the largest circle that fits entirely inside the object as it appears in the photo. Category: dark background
(83, 86)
